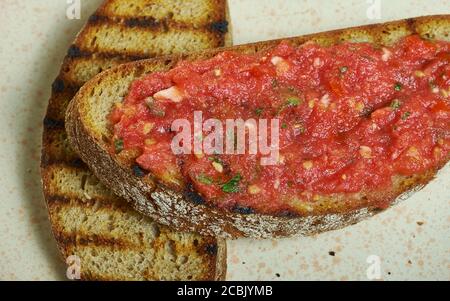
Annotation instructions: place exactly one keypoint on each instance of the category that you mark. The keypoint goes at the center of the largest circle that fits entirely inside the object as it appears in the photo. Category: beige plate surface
(411, 241)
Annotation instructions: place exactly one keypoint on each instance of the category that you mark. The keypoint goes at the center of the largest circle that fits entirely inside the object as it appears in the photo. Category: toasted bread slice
(86, 124)
(112, 240)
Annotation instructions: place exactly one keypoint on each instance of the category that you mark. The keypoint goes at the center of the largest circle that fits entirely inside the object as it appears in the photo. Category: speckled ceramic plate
(410, 241)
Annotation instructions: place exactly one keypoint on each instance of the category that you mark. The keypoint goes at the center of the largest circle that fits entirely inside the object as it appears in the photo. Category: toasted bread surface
(87, 126)
(111, 239)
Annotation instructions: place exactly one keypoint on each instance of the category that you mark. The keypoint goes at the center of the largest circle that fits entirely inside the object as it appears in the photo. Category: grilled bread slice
(86, 124)
(112, 240)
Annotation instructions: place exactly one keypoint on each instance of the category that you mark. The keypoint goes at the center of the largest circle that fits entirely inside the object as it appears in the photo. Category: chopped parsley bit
(398, 87)
(293, 101)
(343, 69)
(274, 83)
(232, 186)
(205, 179)
(118, 145)
(395, 104)
(215, 159)
(406, 115)
(284, 126)
(259, 111)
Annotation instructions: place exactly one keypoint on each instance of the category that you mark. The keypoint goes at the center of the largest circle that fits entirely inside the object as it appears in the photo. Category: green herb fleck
(293, 101)
(215, 159)
(259, 111)
(343, 69)
(398, 87)
(205, 179)
(395, 104)
(284, 126)
(118, 145)
(232, 186)
(406, 115)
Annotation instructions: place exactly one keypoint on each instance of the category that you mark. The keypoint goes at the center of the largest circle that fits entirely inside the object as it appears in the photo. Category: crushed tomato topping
(352, 117)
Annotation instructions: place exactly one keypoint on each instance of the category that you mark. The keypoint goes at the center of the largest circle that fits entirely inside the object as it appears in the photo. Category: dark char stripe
(100, 203)
(152, 23)
(50, 123)
(47, 160)
(95, 240)
(77, 52)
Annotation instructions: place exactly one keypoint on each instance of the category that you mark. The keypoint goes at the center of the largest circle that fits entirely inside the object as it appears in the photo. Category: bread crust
(174, 209)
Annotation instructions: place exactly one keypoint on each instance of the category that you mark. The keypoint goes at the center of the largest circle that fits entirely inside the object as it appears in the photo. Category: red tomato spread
(352, 116)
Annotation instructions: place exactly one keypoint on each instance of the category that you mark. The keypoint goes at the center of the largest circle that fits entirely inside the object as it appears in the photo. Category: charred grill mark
(148, 22)
(62, 86)
(90, 240)
(138, 172)
(50, 123)
(243, 210)
(63, 199)
(288, 213)
(211, 249)
(47, 160)
(220, 26)
(194, 197)
(125, 57)
(215, 24)
(80, 50)
(74, 52)
(144, 22)
(105, 202)
(58, 86)
(191, 195)
(411, 24)
(96, 18)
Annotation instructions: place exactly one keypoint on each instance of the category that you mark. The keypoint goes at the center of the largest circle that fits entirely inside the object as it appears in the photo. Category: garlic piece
(386, 54)
(254, 189)
(308, 165)
(217, 166)
(365, 152)
(173, 93)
